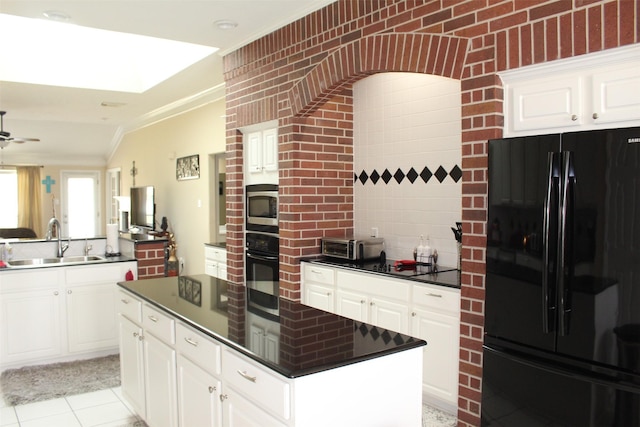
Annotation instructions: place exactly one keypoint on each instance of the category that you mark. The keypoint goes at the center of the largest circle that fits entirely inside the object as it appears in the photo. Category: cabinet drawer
(317, 274)
(215, 254)
(437, 297)
(374, 285)
(159, 324)
(94, 274)
(259, 386)
(199, 348)
(129, 306)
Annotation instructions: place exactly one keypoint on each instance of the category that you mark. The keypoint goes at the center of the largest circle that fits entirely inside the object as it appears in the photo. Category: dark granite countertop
(310, 340)
(443, 276)
(222, 245)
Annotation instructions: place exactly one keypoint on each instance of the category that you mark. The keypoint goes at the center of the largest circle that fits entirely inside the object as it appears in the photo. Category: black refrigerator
(562, 308)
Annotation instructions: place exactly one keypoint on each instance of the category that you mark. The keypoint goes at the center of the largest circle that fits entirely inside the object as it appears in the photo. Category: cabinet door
(91, 317)
(318, 296)
(132, 365)
(389, 315)
(440, 361)
(546, 104)
(352, 305)
(161, 391)
(31, 325)
(270, 150)
(238, 411)
(198, 396)
(615, 95)
(254, 152)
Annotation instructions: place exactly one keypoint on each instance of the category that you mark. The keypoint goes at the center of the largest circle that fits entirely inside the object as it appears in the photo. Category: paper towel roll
(112, 239)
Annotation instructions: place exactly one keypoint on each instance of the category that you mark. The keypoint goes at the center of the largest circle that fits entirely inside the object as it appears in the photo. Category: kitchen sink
(49, 261)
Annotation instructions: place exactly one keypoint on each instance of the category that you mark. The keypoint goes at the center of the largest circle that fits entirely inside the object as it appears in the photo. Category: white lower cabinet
(160, 382)
(373, 299)
(426, 311)
(201, 382)
(31, 324)
(198, 395)
(132, 365)
(58, 313)
(239, 411)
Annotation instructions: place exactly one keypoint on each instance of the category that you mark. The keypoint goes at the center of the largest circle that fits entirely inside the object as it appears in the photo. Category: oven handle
(262, 257)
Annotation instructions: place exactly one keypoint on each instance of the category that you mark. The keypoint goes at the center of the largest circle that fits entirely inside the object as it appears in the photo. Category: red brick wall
(150, 258)
(301, 75)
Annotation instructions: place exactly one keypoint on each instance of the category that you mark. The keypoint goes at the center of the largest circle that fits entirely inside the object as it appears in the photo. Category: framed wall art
(188, 167)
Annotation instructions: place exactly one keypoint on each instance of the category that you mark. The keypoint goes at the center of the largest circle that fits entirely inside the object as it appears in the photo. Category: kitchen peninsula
(193, 354)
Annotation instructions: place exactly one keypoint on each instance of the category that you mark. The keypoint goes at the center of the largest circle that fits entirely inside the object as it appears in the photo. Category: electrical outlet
(374, 231)
(181, 264)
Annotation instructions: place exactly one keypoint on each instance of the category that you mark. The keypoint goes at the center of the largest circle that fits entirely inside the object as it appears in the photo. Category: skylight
(61, 54)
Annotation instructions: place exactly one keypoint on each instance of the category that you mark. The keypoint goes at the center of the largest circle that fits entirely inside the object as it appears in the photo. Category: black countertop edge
(143, 238)
(414, 343)
(106, 260)
(449, 277)
(221, 245)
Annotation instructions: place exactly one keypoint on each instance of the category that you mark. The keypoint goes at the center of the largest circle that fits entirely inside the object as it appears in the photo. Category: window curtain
(30, 199)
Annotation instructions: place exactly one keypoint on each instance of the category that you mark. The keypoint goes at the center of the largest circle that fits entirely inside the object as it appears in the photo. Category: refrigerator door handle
(549, 215)
(565, 245)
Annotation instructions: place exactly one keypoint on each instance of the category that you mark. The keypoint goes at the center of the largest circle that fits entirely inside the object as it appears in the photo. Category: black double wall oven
(262, 250)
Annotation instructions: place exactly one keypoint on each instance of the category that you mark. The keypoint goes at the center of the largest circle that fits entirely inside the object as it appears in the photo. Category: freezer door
(602, 259)
(525, 390)
(518, 307)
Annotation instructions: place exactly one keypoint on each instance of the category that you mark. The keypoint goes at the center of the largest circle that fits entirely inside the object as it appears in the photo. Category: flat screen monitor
(143, 207)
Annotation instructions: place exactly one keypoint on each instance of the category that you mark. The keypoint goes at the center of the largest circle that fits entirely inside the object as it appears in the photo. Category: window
(9, 186)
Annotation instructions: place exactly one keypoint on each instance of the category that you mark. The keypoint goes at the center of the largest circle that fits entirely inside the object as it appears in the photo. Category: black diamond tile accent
(374, 176)
(398, 339)
(456, 173)
(355, 177)
(375, 333)
(386, 337)
(399, 176)
(363, 329)
(441, 174)
(363, 177)
(426, 174)
(412, 175)
(386, 176)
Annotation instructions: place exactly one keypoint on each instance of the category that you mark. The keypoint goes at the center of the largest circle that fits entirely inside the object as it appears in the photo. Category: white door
(80, 200)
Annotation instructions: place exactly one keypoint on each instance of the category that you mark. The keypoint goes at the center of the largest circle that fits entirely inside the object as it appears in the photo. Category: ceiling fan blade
(23, 140)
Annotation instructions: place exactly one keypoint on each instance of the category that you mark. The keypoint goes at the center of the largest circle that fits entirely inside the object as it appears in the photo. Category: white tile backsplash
(405, 120)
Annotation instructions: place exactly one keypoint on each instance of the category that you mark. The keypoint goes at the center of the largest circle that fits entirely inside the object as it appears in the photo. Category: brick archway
(398, 52)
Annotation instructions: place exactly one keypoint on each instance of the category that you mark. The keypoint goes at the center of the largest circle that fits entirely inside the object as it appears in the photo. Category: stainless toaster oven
(353, 249)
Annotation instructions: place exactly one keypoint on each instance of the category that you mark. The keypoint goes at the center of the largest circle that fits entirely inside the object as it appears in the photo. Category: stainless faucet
(53, 222)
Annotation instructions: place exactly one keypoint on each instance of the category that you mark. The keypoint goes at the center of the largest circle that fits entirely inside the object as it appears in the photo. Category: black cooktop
(439, 275)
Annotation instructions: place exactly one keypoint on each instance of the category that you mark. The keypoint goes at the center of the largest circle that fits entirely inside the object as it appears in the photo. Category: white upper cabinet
(261, 156)
(588, 92)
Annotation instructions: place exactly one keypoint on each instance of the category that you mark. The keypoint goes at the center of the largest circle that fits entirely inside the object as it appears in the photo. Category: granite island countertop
(310, 340)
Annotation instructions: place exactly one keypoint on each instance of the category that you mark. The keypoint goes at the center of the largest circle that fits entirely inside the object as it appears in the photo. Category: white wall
(404, 121)
(186, 203)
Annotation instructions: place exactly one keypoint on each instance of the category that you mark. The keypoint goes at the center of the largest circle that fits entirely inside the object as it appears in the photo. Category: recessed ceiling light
(226, 24)
(56, 15)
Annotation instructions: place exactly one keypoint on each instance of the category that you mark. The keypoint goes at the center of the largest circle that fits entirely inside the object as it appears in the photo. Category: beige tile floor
(104, 408)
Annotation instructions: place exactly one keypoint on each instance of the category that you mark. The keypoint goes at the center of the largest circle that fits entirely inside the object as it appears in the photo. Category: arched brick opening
(416, 53)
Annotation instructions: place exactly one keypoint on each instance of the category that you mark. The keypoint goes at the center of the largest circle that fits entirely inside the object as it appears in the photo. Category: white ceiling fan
(5, 137)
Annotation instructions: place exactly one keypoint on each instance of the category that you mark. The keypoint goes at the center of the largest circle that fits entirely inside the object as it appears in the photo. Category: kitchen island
(193, 354)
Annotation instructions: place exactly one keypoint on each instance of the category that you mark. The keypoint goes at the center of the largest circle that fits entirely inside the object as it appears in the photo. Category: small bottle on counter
(420, 250)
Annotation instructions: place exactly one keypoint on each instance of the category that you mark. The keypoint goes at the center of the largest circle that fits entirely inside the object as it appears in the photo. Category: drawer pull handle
(434, 295)
(153, 319)
(192, 342)
(125, 301)
(246, 376)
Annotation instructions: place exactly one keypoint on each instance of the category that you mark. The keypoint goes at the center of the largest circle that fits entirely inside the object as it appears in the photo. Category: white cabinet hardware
(246, 376)
(192, 342)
